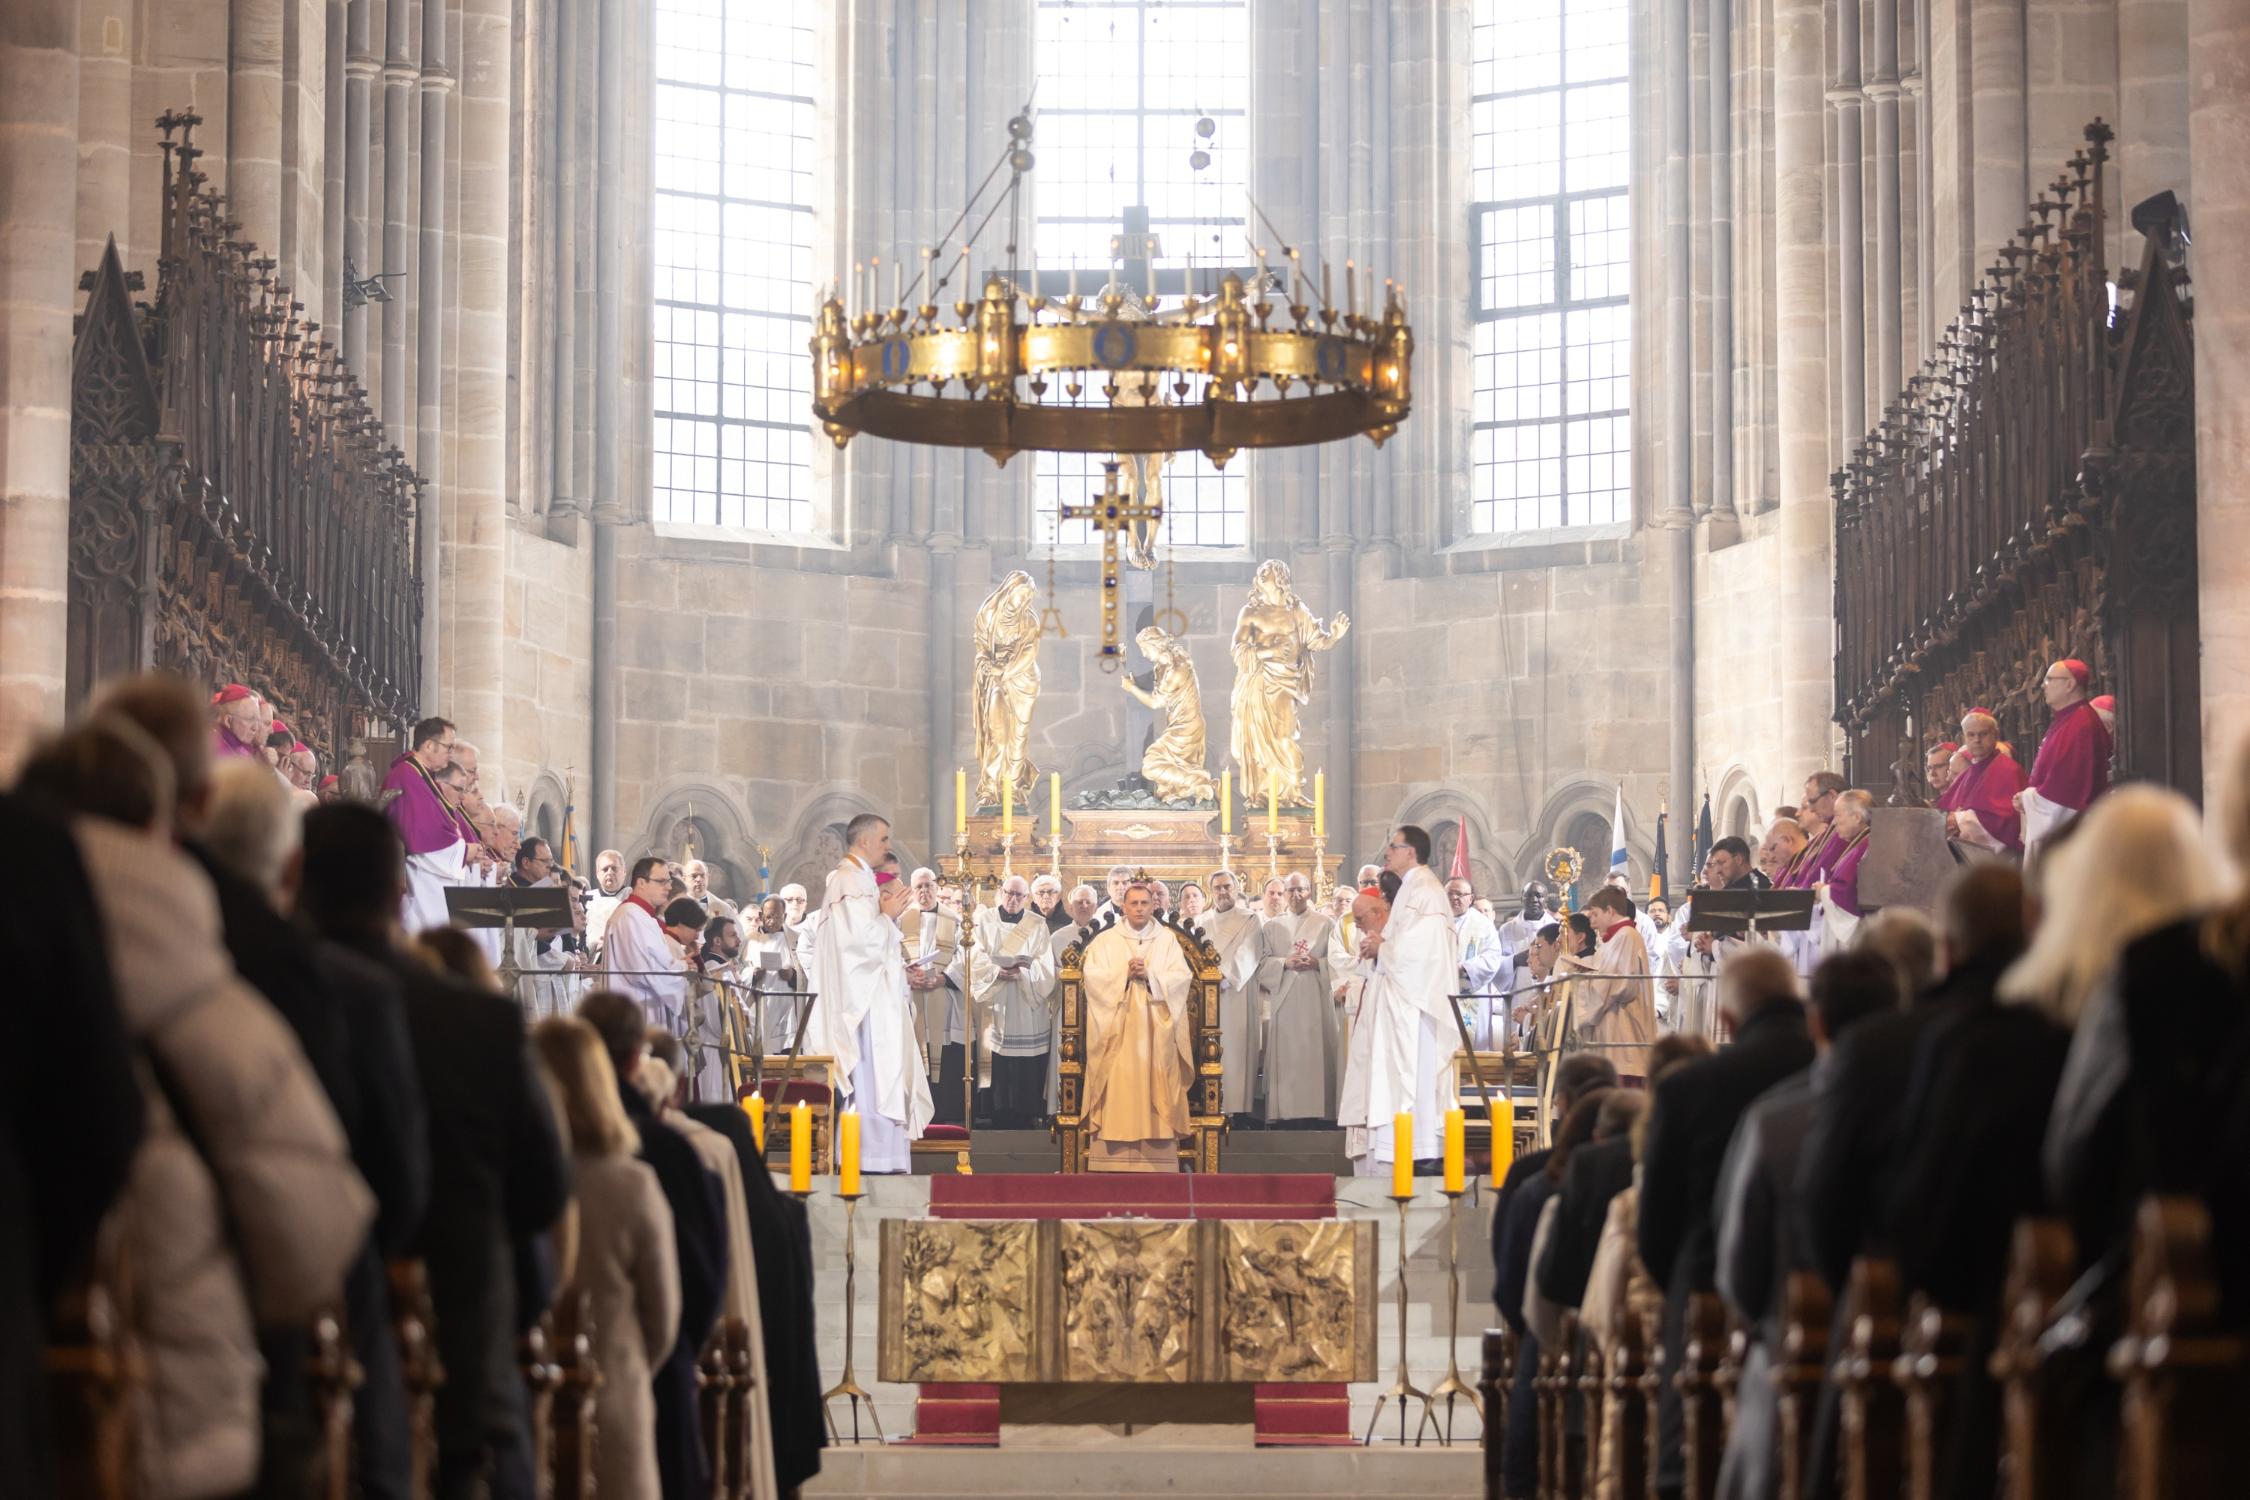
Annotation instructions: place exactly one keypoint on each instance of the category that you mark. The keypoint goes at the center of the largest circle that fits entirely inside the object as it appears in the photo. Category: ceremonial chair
(1207, 1120)
(2042, 1262)
(1703, 1434)
(782, 1093)
(1927, 1371)
(2185, 1373)
(414, 1325)
(581, 1377)
(1798, 1369)
(1874, 1429)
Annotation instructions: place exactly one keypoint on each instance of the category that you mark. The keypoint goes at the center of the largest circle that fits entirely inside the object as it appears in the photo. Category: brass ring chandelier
(1254, 366)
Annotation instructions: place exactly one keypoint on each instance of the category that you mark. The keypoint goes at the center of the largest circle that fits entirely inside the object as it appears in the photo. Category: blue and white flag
(1617, 834)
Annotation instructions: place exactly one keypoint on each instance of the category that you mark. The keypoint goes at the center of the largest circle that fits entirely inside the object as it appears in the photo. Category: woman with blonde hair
(626, 1262)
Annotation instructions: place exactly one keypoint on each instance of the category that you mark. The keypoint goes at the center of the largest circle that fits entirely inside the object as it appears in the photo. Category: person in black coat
(70, 1115)
(500, 1175)
(1847, 1154)
(1576, 1076)
(781, 1243)
(1598, 1172)
(1692, 1116)
(700, 1235)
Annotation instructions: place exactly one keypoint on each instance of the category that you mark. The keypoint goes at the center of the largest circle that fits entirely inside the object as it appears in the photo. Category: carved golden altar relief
(1131, 1301)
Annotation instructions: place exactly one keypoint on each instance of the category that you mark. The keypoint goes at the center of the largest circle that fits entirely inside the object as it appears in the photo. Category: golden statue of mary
(1275, 637)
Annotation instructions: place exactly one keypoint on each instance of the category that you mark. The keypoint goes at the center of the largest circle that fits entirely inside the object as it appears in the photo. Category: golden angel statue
(1005, 687)
(1275, 637)
(1173, 762)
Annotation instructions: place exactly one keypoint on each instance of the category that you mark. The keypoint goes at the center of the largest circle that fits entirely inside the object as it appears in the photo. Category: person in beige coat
(624, 1258)
(242, 1208)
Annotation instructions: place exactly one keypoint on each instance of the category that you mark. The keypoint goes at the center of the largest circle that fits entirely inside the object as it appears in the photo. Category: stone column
(361, 68)
(105, 130)
(1721, 504)
(254, 122)
(39, 168)
(1883, 93)
(610, 510)
(1850, 237)
(2219, 213)
(399, 73)
(2000, 122)
(477, 415)
(429, 352)
(1804, 616)
(334, 208)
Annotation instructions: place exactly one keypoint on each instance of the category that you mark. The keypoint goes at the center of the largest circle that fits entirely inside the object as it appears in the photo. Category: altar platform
(1262, 1151)
(1181, 1464)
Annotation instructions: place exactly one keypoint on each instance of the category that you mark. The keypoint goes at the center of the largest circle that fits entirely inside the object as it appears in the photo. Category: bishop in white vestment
(860, 1013)
(1233, 929)
(1139, 1056)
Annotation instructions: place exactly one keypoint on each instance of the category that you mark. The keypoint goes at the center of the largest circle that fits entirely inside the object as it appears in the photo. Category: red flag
(1460, 852)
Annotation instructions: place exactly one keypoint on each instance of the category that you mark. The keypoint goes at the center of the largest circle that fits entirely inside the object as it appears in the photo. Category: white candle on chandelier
(1326, 301)
(1351, 291)
(1296, 277)
(898, 281)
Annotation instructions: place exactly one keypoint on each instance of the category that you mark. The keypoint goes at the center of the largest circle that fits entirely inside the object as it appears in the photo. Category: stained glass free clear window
(733, 261)
(1550, 270)
(1121, 84)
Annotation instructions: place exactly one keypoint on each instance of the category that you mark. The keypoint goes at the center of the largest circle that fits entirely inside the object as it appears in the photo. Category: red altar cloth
(1285, 1415)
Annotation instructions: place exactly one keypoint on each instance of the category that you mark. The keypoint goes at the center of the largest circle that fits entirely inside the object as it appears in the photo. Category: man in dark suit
(500, 1174)
(1691, 1119)
(700, 1237)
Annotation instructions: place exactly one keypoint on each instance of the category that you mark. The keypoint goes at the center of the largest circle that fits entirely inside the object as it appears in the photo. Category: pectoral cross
(1113, 512)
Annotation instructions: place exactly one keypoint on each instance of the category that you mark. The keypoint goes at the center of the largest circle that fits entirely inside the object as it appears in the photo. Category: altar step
(1183, 1465)
(1320, 1151)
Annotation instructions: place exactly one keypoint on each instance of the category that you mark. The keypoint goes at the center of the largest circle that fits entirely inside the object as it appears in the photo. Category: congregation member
(1487, 967)
(1980, 805)
(937, 978)
(1298, 1009)
(1236, 933)
(1012, 981)
(862, 1015)
(2072, 766)
(1563, 1240)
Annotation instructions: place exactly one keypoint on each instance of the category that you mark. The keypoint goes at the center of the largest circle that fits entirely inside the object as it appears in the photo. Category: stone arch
(1570, 816)
(1737, 809)
(699, 818)
(1442, 813)
(816, 841)
(547, 809)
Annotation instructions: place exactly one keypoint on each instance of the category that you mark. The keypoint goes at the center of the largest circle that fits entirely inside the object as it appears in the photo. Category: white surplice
(1488, 972)
(1012, 1005)
(1409, 1014)
(861, 1018)
(640, 960)
(428, 877)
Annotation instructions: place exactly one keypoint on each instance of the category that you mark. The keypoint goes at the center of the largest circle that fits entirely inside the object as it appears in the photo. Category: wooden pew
(2186, 1375)
(1798, 1368)
(95, 1375)
(1568, 1447)
(2038, 1447)
(1545, 1393)
(1874, 1428)
(1592, 1386)
(1703, 1434)
(1926, 1372)
(1653, 1376)
(415, 1326)
(1625, 1416)
(333, 1375)
(541, 1375)
(1492, 1384)
(574, 1399)
(742, 1390)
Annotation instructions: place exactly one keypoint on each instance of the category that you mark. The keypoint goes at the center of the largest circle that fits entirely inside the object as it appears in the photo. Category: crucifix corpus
(1114, 512)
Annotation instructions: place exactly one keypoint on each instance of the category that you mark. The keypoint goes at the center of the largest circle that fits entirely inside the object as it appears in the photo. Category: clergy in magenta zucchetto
(2072, 767)
(1980, 805)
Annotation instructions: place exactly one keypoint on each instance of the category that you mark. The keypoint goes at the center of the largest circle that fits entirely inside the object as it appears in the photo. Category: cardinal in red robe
(2072, 767)
(1980, 806)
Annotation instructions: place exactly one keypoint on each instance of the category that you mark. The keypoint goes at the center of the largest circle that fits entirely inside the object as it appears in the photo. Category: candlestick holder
(1007, 855)
(961, 856)
(1402, 1388)
(1452, 1388)
(1226, 852)
(1273, 854)
(1322, 885)
(848, 1387)
(1054, 855)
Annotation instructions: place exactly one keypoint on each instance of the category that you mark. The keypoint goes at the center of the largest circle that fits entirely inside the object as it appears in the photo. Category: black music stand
(507, 908)
(1748, 913)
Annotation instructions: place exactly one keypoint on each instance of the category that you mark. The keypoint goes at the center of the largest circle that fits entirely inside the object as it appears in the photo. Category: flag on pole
(1657, 889)
(568, 857)
(1701, 846)
(1460, 869)
(1617, 834)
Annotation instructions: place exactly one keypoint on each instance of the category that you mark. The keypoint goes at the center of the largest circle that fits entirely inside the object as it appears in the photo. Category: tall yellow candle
(1273, 808)
(847, 1152)
(960, 800)
(1320, 804)
(1402, 1154)
(1226, 800)
(1054, 804)
(1007, 807)
(1456, 1150)
(1503, 1139)
(755, 1108)
(800, 1147)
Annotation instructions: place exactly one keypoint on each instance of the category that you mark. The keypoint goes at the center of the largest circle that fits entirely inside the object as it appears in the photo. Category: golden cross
(1113, 512)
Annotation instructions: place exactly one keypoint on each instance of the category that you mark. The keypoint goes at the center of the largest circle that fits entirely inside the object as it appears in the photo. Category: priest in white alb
(860, 1013)
(1233, 929)
(1012, 982)
(639, 958)
(1139, 1056)
(1366, 1012)
(1488, 968)
(1413, 1032)
(1300, 1009)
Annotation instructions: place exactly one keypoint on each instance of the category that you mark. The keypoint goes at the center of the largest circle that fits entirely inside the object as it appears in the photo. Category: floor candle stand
(1452, 1388)
(1402, 1388)
(848, 1387)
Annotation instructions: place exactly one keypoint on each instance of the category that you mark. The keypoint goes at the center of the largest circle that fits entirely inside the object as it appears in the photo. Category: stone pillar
(105, 130)
(1720, 506)
(399, 73)
(610, 510)
(1805, 612)
(39, 171)
(2151, 149)
(1850, 237)
(361, 68)
(254, 122)
(1883, 94)
(429, 353)
(2000, 121)
(477, 415)
(333, 206)
(2219, 215)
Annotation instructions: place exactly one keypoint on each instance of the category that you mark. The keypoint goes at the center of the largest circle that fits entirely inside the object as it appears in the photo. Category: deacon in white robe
(1233, 929)
(1415, 1034)
(1299, 1007)
(1012, 980)
(860, 1015)
(1139, 1056)
(1488, 968)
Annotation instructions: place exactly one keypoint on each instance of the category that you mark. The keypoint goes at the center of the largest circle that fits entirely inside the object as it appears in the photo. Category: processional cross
(1113, 512)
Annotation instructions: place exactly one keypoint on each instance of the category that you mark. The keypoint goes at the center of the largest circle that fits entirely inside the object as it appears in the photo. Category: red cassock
(2072, 767)
(1988, 789)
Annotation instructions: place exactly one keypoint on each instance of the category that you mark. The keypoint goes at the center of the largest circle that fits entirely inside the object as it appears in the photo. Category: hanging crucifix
(1113, 513)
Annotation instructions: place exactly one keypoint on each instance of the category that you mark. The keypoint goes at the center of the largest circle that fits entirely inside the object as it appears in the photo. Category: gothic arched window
(1550, 264)
(1122, 85)
(734, 149)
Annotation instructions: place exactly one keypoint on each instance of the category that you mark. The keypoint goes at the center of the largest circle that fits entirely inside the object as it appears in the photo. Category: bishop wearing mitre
(1233, 929)
(1300, 1009)
(1138, 1052)
(860, 1013)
